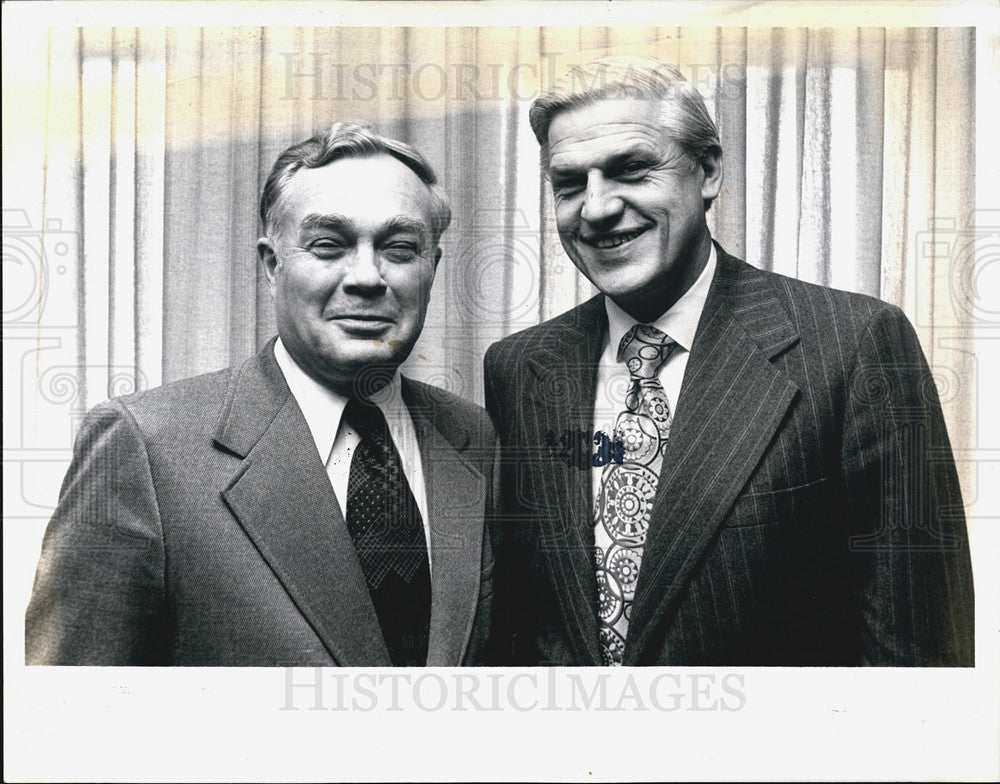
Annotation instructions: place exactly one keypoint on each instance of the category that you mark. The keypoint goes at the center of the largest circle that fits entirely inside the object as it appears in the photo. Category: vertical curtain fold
(729, 213)
(869, 132)
(149, 213)
(849, 160)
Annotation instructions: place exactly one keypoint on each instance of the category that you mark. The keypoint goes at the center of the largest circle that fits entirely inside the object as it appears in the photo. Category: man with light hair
(707, 463)
(311, 507)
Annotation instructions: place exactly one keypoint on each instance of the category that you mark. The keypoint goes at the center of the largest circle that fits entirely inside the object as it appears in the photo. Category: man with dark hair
(709, 464)
(311, 507)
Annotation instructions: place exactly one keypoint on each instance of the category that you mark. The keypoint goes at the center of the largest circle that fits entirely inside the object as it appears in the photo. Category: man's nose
(364, 275)
(600, 204)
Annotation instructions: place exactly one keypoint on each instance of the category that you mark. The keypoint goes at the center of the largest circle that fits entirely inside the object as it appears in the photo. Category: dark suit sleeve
(501, 640)
(516, 572)
(99, 585)
(908, 544)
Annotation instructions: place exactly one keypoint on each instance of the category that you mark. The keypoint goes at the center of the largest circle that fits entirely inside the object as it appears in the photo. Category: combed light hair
(683, 116)
(350, 140)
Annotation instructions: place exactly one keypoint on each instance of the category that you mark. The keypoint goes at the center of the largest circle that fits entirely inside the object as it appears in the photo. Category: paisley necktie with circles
(627, 488)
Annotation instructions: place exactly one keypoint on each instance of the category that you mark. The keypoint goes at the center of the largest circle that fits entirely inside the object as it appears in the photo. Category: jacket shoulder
(812, 308)
(845, 306)
(188, 405)
(572, 326)
(455, 417)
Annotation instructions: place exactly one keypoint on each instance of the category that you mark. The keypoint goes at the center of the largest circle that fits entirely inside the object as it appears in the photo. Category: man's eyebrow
(343, 223)
(641, 150)
(331, 222)
(402, 223)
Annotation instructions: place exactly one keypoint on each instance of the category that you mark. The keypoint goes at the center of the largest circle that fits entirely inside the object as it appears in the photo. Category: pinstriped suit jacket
(808, 510)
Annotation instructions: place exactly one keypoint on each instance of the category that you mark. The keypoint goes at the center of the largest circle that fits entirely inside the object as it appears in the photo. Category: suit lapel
(282, 497)
(456, 507)
(731, 403)
(560, 405)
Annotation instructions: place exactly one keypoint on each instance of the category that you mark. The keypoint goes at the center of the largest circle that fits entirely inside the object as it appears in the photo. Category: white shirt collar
(322, 407)
(680, 322)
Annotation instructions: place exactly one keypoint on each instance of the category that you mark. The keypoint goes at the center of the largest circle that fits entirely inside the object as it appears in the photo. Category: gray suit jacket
(808, 511)
(197, 526)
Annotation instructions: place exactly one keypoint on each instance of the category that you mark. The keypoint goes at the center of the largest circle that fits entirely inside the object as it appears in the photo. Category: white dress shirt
(680, 322)
(336, 441)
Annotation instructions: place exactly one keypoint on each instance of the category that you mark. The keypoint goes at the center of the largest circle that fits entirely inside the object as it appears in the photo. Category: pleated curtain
(140, 153)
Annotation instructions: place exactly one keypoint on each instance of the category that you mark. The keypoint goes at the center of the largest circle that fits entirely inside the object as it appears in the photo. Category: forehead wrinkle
(352, 183)
(606, 122)
(584, 132)
(572, 159)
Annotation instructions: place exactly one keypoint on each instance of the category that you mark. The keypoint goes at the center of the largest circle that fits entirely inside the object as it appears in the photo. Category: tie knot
(366, 418)
(643, 349)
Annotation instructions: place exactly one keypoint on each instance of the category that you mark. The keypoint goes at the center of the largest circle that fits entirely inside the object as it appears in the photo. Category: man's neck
(680, 321)
(368, 382)
(650, 305)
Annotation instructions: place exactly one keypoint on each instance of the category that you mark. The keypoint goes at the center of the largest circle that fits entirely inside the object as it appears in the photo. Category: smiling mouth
(363, 324)
(607, 241)
(367, 317)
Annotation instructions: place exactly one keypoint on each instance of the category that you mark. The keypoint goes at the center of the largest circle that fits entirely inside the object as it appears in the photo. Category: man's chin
(374, 364)
(612, 275)
(620, 288)
(361, 342)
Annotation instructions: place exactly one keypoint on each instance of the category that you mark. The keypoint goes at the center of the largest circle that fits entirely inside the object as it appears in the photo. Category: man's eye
(401, 251)
(327, 248)
(634, 169)
(566, 188)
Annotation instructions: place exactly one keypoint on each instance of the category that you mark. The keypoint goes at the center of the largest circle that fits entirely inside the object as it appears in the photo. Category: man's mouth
(611, 240)
(374, 318)
(363, 324)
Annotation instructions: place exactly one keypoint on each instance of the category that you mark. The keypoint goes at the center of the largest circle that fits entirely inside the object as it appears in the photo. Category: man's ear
(268, 261)
(711, 168)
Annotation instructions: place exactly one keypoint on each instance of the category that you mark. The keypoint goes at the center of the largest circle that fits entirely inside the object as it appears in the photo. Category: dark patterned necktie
(623, 505)
(388, 534)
